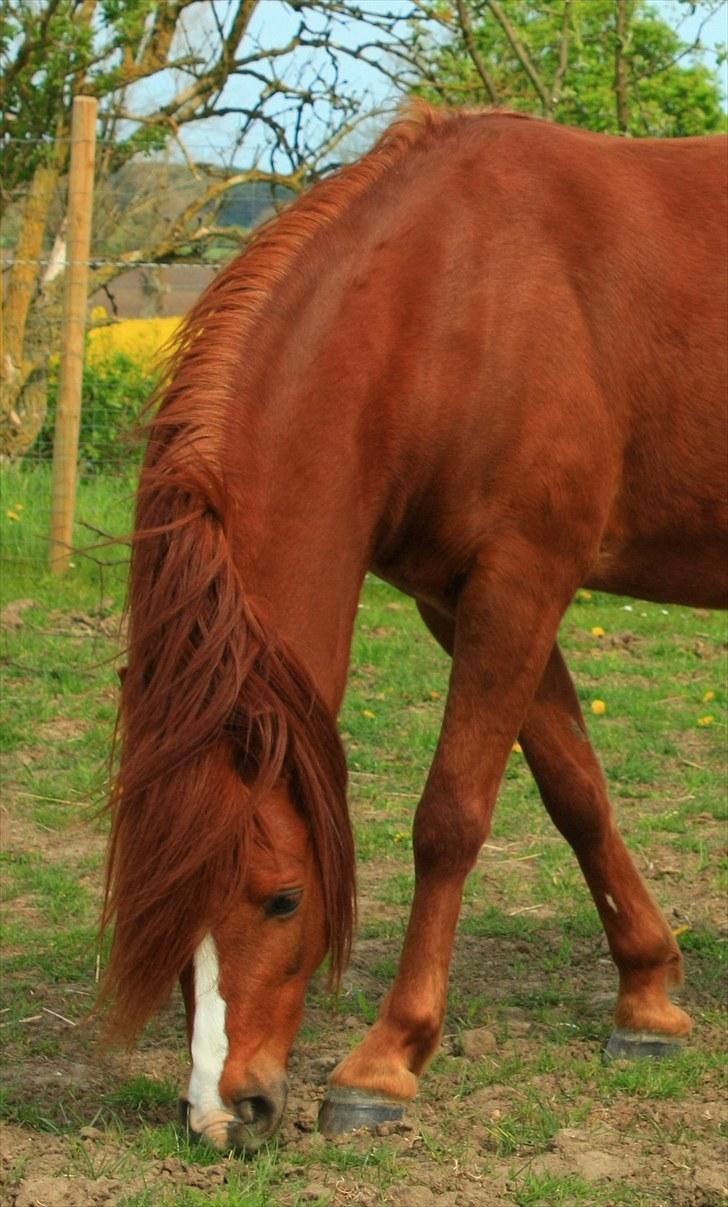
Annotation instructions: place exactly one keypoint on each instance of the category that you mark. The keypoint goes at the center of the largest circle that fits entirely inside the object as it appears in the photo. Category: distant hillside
(171, 289)
(173, 186)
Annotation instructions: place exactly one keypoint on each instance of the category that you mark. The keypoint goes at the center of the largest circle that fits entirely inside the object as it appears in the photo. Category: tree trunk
(20, 363)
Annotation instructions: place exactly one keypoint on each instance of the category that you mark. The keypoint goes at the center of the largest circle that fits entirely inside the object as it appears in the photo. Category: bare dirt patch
(459, 1146)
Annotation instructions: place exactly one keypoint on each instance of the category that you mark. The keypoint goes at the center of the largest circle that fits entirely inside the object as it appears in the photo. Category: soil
(35, 1166)
(449, 1150)
(446, 1149)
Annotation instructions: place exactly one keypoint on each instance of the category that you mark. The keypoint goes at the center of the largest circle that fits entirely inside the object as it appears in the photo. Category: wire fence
(160, 230)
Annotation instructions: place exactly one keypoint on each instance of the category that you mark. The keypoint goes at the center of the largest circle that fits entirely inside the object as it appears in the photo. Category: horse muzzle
(253, 1119)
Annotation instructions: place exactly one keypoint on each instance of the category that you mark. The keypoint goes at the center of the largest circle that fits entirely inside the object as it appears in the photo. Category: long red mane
(208, 691)
(208, 686)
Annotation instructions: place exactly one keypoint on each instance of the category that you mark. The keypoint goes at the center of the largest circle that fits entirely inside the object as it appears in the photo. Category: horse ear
(121, 672)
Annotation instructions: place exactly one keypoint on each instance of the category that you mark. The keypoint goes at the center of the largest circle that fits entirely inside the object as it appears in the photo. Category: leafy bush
(114, 393)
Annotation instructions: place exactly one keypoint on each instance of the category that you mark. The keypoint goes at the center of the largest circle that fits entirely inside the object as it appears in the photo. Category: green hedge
(114, 396)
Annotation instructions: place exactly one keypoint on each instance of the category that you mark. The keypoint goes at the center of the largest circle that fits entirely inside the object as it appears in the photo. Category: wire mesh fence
(161, 228)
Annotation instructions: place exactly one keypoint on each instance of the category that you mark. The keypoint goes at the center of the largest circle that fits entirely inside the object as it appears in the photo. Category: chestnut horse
(486, 362)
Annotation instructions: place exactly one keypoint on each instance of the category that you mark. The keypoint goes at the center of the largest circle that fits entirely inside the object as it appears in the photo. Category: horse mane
(216, 708)
(206, 352)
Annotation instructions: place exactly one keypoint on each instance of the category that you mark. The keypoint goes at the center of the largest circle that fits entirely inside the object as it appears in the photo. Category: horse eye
(283, 904)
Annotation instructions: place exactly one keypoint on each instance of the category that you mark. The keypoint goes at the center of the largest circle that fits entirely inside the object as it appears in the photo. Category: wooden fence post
(75, 301)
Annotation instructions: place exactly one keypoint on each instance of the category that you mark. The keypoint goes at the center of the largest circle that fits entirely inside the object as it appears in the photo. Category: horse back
(551, 330)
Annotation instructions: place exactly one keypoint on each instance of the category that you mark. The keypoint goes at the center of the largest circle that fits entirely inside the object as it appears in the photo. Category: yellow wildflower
(708, 697)
(704, 722)
(366, 712)
(517, 748)
(12, 515)
(598, 707)
(434, 695)
(582, 594)
(597, 631)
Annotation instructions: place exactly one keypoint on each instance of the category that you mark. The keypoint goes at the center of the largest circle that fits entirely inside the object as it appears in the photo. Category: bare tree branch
(522, 55)
(563, 55)
(620, 66)
(475, 55)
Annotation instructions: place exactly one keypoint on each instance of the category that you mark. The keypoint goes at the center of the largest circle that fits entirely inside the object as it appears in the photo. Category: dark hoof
(345, 1110)
(633, 1045)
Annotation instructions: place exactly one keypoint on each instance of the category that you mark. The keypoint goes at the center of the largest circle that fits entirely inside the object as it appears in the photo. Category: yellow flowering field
(140, 339)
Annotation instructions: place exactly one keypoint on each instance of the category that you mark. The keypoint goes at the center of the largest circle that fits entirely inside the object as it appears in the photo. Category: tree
(271, 78)
(609, 65)
(164, 72)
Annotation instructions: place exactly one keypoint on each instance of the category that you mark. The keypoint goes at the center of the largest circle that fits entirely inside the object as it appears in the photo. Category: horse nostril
(257, 1110)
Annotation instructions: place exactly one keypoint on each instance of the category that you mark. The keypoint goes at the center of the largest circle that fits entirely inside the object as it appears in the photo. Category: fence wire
(135, 301)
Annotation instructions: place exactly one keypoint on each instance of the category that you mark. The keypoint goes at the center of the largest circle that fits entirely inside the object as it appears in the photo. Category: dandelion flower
(367, 712)
(517, 748)
(582, 594)
(597, 631)
(708, 697)
(704, 722)
(12, 515)
(598, 707)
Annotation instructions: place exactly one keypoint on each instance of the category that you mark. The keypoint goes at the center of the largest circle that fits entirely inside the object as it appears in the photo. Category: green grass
(103, 509)
(549, 1190)
(530, 964)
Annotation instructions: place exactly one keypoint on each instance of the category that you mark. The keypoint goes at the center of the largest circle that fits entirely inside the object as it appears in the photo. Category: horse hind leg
(570, 779)
(572, 786)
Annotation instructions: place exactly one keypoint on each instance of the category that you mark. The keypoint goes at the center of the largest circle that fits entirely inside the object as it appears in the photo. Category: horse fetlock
(377, 1075)
(653, 1013)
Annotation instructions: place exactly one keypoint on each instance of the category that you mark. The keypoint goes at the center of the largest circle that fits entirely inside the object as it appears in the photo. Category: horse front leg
(572, 786)
(506, 621)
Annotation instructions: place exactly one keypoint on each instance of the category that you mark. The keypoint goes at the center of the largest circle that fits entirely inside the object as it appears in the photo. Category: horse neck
(303, 552)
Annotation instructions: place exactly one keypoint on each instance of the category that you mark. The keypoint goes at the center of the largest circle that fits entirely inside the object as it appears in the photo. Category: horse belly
(675, 570)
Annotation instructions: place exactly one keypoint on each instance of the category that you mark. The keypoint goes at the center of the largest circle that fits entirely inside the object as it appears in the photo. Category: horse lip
(242, 1135)
(246, 1138)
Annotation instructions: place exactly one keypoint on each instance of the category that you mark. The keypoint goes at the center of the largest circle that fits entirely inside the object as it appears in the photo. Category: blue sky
(274, 22)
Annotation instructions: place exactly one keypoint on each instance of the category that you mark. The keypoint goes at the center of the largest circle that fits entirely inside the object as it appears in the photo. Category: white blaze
(209, 1045)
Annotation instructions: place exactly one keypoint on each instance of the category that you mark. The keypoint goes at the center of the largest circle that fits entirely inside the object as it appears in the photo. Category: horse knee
(448, 839)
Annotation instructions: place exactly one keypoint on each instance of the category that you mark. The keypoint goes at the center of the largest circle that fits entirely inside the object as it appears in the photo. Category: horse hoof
(633, 1045)
(345, 1110)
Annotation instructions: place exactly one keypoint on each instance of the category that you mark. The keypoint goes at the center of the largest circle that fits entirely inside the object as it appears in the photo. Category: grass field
(518, 1108)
